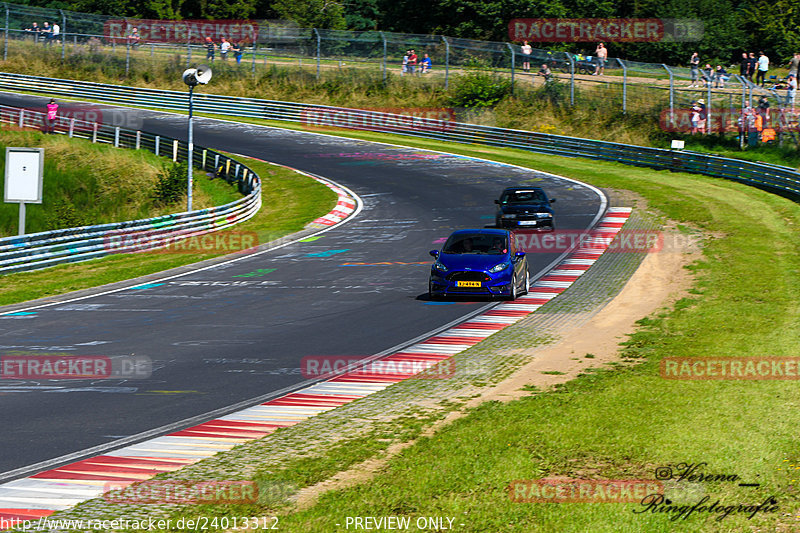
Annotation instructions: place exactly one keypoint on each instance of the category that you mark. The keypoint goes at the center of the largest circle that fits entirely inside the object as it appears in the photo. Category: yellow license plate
(468, 283)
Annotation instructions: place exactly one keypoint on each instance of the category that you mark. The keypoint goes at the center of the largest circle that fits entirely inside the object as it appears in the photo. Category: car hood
(472, 261)
(522, 208)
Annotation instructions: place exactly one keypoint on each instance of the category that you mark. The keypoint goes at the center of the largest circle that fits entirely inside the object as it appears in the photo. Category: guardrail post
(216, 162)
(624, 86)
(158, 142)
(383, 59)
(446, 61)
(175, 150)
(511, 49)
(138, 139)
(21, 117)
(71, 126)
(205, 153)
(116, 137)
(671, 95)
(94, 132)
(319, 44)
(5, 47)
(236, 171)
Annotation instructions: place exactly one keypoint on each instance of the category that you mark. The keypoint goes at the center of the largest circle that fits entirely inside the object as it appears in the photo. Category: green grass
(87, 183)
(290, 201)
(623, 421)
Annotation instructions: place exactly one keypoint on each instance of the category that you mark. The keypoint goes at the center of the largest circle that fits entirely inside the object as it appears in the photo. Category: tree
(328, 14)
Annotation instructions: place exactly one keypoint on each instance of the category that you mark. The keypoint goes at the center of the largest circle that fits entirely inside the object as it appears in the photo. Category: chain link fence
(324, 54)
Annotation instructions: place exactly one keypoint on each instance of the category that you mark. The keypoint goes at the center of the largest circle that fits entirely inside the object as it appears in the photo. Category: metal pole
(127, 57)
(671, 95)
(319, 40)
(511, 49)
(383, 61)
(5, 47)
(188, 50)
(446, 61)
(571, 79)
(21, 218)
(624, 86)
(190, 149)
(708, 109)
(61, 34)
(254, 59)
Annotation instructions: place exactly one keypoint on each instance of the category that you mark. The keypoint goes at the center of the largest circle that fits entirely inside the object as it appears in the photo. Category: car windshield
(476, 243)
(523, 197)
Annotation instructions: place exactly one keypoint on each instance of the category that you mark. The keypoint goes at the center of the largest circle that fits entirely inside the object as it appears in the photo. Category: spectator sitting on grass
(426, 64)
(546, 72)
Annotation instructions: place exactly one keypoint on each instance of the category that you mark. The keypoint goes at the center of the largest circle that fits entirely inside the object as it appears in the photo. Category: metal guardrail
(48, 248)
(784, 180)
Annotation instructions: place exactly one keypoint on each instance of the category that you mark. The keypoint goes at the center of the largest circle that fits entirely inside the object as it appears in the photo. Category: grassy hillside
(88, 183)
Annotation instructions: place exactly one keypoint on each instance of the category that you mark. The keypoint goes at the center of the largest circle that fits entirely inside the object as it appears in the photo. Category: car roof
(515, 189)
(484, 231)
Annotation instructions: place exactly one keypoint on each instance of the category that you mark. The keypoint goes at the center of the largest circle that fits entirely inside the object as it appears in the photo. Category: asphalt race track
(220, 336)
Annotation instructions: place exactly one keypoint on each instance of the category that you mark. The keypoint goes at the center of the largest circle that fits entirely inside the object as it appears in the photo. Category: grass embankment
(93, 184)
(291, 200)
(624, 421)
(597, 112)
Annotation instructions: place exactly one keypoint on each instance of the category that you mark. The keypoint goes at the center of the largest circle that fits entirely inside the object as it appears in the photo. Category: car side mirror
(552, 200)
(518, 255)
(497, 202)
(434, 253)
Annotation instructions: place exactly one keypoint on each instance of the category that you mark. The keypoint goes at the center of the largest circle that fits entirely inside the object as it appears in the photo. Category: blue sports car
(481, 262)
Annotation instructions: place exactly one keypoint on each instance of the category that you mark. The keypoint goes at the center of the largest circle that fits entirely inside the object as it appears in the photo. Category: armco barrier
(776, 178)
(48, 248)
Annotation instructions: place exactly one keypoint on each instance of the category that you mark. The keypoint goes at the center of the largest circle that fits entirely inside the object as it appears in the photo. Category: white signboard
(24, 167)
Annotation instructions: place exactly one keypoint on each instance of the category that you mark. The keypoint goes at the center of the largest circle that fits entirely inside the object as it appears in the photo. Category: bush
(171, 184)
(479, 89)
(63, 214)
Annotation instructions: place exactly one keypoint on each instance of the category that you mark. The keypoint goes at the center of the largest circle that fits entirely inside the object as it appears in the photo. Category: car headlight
(510, 216)
(499, 268)
(440, 267)
(543, 215)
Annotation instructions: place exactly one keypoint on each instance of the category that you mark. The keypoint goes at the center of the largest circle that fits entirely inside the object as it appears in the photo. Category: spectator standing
(694, 67)
(426, 64)
(793, 64)
(412, 61)
(224, 48)
(701, 105)
(545, 72)
(791, 90)
(694, 117)
(210, 47)
(744, 65)
(237, 52)
(753, 64)
(602, 54)
(527, 50)
(56, 32)
(404, 68)
(763, 67)
(52, 116)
